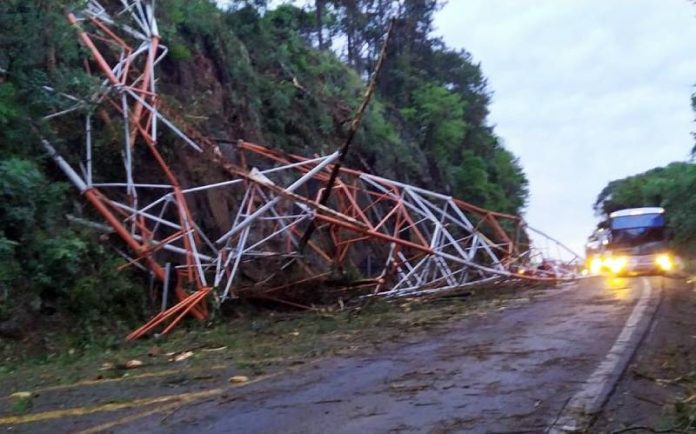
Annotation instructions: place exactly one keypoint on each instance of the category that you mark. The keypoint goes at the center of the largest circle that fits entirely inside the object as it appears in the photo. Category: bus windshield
(640, 230)
(644, 221)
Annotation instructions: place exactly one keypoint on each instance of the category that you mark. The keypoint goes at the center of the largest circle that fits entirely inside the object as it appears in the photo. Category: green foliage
(180, 52)
(8, 109)
(671, 187)
(426, 125)
(27, 199)
(22, 405)
(46, 264)
(8, 273)
(508, 185)
(470, 178)
(438, 114)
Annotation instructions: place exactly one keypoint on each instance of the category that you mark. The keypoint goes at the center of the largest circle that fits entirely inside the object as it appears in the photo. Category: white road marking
(589, 400)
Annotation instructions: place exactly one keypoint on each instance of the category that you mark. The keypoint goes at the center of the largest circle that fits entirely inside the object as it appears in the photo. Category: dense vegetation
(280, 84)
(47, 266)
(287, 77)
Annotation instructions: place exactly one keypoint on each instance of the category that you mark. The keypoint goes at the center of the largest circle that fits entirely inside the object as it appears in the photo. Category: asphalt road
(547, 364)
(538, 367)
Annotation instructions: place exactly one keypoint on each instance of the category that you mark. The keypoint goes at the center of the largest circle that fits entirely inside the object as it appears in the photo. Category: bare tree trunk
(319, 6)
(352, 13)
(349, 37)
(47, 34)
(352, 131)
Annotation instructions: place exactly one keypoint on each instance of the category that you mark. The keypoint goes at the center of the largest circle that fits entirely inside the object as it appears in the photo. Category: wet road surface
(511, 371)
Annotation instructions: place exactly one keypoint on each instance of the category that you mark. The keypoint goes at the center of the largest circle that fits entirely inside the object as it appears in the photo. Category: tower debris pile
(396, 238)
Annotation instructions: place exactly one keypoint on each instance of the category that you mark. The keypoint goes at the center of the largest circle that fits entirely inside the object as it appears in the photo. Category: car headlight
(665, 262)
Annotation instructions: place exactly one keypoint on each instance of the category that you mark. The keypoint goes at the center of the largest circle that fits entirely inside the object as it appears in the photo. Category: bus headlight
(596, 265)
(617, 264)
(665, 262)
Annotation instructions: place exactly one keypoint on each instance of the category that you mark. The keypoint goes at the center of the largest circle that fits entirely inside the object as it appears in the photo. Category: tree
(436, 117)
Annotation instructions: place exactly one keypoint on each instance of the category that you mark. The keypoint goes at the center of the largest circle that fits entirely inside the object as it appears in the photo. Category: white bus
(637, 243)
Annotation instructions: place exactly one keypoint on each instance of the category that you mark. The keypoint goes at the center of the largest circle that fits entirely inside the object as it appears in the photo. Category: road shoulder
(658, 390)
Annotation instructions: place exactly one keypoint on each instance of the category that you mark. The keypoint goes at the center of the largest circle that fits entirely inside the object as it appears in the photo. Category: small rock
(212, 350)
(21, 395)
(182, 356)
(239, 379)
(132, 364)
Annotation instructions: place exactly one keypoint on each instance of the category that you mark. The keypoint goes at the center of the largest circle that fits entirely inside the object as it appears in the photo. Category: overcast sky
(585, 91)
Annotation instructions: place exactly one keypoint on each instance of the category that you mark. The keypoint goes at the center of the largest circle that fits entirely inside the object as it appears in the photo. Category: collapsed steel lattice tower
(403, 239)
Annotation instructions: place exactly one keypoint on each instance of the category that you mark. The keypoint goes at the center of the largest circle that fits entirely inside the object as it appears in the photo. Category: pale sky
(585, 91)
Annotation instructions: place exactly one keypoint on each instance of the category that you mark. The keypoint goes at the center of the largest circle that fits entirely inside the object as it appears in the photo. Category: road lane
(591, 396)
(512, 370)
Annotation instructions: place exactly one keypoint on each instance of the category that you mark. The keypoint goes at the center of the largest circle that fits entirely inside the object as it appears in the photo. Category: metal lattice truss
(400, 239)
(419, 239)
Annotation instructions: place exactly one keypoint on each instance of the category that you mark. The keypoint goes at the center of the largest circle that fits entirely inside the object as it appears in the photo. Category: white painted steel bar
(292, 187)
